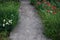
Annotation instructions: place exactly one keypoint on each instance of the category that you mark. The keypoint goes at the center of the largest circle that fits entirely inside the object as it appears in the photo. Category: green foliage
(33, 2)
(8, 15)
(50, 14)
(8, 18)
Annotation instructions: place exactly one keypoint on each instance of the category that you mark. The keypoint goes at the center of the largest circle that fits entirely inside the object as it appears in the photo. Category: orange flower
(53, 7)
(54, 12)
(38, 3)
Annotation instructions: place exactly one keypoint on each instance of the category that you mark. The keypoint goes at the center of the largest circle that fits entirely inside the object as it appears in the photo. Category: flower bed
(8, 17)
(50, 14)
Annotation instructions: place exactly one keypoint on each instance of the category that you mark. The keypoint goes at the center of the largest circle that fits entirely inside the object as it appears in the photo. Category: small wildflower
(3, 25)
(4, 20)
(10, 21)
(7, 23)
(53, 7)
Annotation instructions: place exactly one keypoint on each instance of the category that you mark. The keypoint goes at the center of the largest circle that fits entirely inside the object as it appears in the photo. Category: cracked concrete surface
(29, 25)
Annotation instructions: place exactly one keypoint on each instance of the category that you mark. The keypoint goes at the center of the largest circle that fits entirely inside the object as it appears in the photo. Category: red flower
(54, 12)
(48, 3)
(38, 3)
(53, 7)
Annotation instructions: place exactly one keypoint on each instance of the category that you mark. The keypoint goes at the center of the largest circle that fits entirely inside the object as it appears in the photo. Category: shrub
(51, 21)
(50, 14)
(8, 15)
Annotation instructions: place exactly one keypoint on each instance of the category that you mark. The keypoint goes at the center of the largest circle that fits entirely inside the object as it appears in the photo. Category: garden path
(29, 25)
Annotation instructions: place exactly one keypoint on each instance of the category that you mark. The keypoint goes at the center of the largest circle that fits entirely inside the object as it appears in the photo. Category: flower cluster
(52, 8)
(5, 22)
(48, 7)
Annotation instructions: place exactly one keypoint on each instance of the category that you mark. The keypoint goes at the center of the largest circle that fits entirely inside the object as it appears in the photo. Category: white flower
(51, 11)
(4, 20)
(7, 23)
(3, 25)
(10, 21)
(12, 15)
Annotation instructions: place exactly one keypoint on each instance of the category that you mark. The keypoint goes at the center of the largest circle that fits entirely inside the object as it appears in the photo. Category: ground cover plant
(8, 17)
(50, 14)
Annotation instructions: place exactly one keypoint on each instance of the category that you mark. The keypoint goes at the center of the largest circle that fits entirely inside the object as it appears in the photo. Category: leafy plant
(8, 18)
(50, 14)
(9, 15)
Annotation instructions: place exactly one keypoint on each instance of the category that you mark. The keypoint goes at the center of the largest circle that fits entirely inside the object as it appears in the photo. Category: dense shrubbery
(50, 14)
(8, 17)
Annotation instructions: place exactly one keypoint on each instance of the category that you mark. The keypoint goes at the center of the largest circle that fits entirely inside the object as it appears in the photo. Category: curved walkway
(29, 26)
